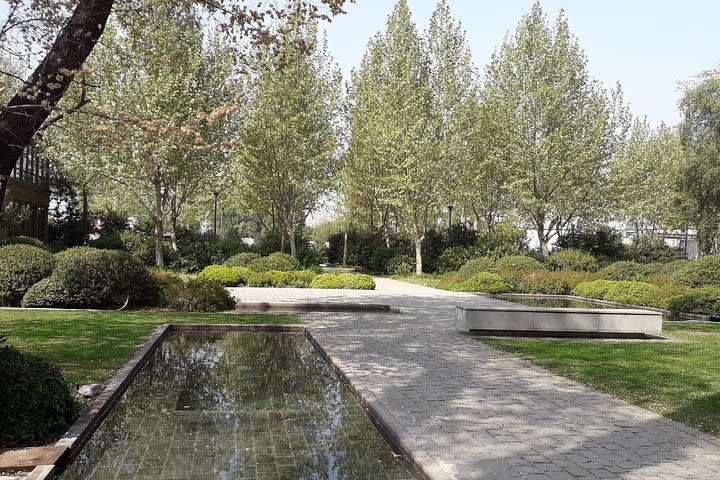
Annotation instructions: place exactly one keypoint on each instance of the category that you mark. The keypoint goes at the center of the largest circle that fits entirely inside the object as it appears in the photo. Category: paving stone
(453, 394)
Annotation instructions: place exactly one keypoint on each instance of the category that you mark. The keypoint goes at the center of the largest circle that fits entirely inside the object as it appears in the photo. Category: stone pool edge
(423, 464)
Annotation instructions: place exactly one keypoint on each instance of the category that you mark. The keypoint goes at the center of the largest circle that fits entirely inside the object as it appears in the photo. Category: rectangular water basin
(243, 405)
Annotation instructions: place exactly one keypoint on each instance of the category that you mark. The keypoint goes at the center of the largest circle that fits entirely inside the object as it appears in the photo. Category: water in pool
(237, 406)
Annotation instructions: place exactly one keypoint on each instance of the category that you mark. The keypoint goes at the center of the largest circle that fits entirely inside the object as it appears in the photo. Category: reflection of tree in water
(230, 391)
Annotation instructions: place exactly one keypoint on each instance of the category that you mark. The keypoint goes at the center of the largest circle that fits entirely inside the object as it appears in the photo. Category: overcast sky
(648, 46)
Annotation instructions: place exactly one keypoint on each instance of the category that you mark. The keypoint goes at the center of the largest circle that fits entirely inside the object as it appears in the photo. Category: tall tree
(700, 131)
(558, 125)
(288, 154)
(77, 25)
(644, 179)
(157, 132)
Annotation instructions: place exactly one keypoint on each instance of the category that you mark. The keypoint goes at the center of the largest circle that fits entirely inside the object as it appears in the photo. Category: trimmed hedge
(343, 280)
(595, 289)
(275, 261)
(485, 282)
(534, 281)
(35, 400)
(242, 259)
(476, 265)
(627, 270)
(22, 266)
(633, 293)
(572, 259)
(226, 276)
(518, 262)
(23, 240)
(702, 301)
(698, 273)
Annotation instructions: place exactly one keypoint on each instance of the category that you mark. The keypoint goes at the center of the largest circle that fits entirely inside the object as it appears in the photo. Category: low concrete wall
(579, 321)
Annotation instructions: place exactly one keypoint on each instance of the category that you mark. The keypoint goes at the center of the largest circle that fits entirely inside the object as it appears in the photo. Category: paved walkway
(476, 413)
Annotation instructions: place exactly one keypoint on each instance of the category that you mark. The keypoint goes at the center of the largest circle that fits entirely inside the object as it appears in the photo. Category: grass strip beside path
(89, 346)
(678, 379)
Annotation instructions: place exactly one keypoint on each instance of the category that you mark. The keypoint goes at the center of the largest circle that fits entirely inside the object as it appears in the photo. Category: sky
(647, 46)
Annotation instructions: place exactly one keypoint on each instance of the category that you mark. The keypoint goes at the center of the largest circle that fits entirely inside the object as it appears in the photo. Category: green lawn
(679, 379)
(89, 346)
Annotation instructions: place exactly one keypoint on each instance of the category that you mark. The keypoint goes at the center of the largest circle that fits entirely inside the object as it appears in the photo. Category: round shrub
(665, 268)
(69, 255)
(202, 295)
(227, 276)
(47, 293)
(572, 259)
(261, 279)
(518, 262)
(569, 280)
(401, 265)
(275, 261)
(23, 240)
(476, 265)
(595, 289)
(168, 284)
(21, 267)
(632, 293)
(326, 280)
(701, 301)
(105, 279)
(35, 401)
(485, 282)
(242, 259)
(301, 278)
(666, 293)
(453, 258)
(355, 281)
(628, 270)
(700, 272)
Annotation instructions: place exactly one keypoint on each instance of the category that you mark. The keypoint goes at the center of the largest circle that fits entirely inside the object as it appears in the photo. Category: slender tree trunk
(85, 206)
(158, 223)
(291, 240)
(345, 245)
(173, 232)
(542, 239)
(418, 254)
(24, 113)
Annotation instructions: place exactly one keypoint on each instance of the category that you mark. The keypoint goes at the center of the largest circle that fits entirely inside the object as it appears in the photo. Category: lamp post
(215, 213)
(450, 209)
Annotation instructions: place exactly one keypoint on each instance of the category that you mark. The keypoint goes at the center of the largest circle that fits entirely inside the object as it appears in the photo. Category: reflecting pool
(237, 406)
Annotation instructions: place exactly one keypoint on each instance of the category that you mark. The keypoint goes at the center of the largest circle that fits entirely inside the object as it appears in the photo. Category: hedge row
(244, 276)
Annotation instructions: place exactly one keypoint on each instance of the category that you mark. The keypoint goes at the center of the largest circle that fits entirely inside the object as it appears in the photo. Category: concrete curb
(424, 466)
(315, 307)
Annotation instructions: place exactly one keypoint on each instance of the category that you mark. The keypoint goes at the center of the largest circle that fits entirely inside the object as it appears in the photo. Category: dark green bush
(485, 282)
(476, 265)
(69, 255)
(23, 240)
(35, 401)
(112, 241)
(571, 259)
(227, 276)
(200, 295)
(603, 242)
(627, 270)
(275, 261)
(21, 267)
(665, 268)
(47, 293)
(453, 258)
(518, 262)
(379, 259)
(198, 250)
(168, 284)
(104, 279)
(595, 289)
(632, 293)
(504, 240)
(701, 272)
(242, 259)
(648, 249)
(701, 301)
(401, 265)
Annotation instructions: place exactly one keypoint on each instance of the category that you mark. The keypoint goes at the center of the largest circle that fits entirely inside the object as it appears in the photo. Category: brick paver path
(473, 412)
